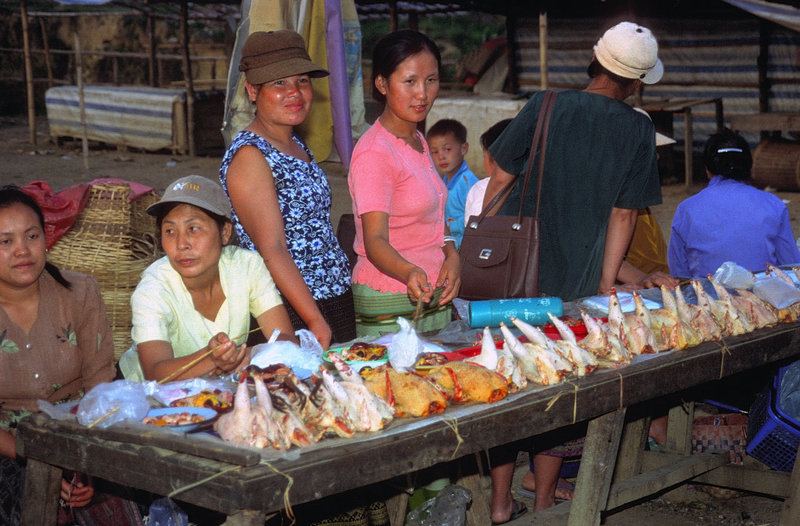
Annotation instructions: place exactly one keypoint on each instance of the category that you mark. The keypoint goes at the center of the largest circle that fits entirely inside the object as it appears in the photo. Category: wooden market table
(248, 484)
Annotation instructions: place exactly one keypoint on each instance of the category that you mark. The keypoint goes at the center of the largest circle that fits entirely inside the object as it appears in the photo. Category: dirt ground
(63, 165)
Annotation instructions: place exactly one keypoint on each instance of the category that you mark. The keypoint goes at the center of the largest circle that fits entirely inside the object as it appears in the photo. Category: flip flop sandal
(518, 509)
(528, 494)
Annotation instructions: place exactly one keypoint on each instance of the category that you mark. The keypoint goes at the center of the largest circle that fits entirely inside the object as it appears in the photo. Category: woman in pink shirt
(402, 241)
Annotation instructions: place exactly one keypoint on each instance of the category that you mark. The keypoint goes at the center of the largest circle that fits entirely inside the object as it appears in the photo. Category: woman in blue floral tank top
(280, 197)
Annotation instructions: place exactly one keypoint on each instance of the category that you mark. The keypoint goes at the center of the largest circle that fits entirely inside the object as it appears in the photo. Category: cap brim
(663, 140)
(282, 70)
(655, 74)
(154, 209)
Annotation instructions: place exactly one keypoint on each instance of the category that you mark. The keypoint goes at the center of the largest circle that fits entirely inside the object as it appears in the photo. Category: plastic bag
(129, 396)
(164, 512)
(309, 343)
(790, 391)
(405, 347)
(448, 508)
(778, 293)
(61, 209)
(734, 276)
(303, 359)
(63, 411)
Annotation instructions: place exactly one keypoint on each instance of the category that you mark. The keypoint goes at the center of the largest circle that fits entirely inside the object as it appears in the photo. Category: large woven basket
(112, 240)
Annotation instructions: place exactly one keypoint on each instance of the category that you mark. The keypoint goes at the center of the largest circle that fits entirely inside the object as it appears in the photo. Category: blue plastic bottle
(490, 313)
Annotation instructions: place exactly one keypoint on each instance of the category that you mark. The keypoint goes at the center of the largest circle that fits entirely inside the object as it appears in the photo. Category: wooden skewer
(417, 312)
(200, 358)
(103, 417)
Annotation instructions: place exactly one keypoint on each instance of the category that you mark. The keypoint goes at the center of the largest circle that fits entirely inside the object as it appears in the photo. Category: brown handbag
(500, 254)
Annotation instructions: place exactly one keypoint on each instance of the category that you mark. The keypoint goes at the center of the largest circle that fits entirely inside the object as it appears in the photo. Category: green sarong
(377, 312)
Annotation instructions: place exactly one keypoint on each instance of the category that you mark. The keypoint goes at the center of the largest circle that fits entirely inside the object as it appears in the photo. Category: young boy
(447, 140)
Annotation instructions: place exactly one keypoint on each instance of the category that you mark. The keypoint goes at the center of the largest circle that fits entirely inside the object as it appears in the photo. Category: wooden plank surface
(766, 122)
(653, 481)
(334, 466)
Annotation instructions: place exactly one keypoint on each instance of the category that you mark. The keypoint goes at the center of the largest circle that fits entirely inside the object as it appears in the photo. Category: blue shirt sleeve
(456, 201)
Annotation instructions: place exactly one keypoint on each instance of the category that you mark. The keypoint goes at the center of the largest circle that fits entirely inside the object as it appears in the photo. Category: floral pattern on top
(68, 335)
(7, 345)
(304, 196)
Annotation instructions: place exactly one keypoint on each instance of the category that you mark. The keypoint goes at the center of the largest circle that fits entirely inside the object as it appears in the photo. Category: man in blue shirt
(729, 220)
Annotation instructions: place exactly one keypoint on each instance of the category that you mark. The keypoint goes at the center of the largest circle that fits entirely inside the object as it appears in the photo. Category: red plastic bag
(60, 209)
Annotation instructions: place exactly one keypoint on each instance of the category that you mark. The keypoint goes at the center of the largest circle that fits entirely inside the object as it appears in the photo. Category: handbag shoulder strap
(540, 140)
(539, 136)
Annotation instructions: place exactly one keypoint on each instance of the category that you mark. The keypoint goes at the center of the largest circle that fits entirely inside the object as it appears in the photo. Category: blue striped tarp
(140, 117)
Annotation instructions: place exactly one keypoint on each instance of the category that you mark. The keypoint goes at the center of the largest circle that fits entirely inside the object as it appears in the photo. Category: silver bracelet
(449, 239)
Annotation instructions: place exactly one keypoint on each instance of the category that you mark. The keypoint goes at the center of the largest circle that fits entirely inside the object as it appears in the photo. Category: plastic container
(490, 313)
(772, 436)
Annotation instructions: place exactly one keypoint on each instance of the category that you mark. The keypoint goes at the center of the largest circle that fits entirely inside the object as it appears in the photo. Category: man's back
(600, 155)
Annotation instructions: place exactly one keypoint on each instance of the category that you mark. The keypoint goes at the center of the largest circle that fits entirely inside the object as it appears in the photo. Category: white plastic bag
(775, 291)
(734, 276)
(109, 403)
(303, 359)
(405, 347)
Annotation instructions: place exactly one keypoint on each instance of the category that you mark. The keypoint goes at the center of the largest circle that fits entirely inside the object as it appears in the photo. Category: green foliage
(456, 35)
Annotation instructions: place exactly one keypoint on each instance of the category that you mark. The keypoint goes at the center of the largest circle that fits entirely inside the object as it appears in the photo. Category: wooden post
(392, 15)
(688, 147)
(597, 468)
(26, 45)
(48, 62)
(763, 69)
(543, 50)
(790, 513)
(79, 78)
(151, 52)
(513, 47)
(187, 75)
(115, 71)
(41, 480)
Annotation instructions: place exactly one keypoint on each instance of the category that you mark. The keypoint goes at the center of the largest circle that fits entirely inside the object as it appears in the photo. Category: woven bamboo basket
(777, 164)
(112, 240)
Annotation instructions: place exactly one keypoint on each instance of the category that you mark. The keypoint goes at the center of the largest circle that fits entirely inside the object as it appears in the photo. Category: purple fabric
(339, 87)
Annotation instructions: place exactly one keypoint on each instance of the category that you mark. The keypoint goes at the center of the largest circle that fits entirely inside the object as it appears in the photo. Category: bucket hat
(198, 191)
(272, 55)
(630, 51)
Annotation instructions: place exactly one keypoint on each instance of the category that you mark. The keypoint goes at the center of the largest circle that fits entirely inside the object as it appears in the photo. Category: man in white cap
(600, 168)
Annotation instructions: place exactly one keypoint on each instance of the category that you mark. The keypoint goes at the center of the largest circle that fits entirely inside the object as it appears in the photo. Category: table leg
(631, 449)
(479, 484)
(679, 428)
(40, 500)
(597, 468)
(397, 506)
(790, 514)
(246, 518)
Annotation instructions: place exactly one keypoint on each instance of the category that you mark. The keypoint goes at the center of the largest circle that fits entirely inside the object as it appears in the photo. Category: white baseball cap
(630, 51)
